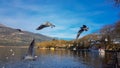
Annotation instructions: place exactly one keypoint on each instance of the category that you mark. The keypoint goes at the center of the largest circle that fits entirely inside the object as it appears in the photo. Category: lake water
(51, 59)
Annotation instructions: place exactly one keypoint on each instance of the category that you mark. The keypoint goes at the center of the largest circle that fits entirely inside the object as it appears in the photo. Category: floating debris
(13, 54)
(11, 50)
(6, 57)
(3, 67)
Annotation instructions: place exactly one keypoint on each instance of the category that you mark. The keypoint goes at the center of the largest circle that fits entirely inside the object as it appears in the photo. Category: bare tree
(117, 29)
(107, 32)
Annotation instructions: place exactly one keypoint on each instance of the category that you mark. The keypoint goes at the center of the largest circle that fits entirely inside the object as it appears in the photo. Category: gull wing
(31, 47)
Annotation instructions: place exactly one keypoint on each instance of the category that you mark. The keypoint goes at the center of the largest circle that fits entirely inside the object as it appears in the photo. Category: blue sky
(67, 15)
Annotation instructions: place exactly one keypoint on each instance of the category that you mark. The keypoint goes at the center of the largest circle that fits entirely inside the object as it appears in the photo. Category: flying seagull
(47, 24)
(83, 28)
(19, 30)
(30, 53)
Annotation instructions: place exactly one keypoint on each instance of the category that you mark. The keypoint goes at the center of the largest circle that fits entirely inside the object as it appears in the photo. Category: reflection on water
(51, 59)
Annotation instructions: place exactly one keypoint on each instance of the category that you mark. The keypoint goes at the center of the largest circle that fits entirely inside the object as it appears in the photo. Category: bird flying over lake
(30, 53)
(47, 24)
(83, 28)
(19, 30)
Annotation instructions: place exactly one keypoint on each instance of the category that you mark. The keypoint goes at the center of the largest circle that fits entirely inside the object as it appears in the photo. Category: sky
(67, 15)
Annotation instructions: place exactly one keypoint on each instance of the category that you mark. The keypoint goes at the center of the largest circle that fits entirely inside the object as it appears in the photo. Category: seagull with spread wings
(47, 24)
(83, 28)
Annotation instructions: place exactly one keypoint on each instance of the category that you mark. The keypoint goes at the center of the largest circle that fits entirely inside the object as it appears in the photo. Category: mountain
(11, 36)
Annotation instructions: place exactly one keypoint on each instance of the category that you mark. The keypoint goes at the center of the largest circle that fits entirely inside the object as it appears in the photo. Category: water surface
(50, 59)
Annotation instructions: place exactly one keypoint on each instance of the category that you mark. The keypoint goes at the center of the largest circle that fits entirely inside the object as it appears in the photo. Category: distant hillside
(11, 36)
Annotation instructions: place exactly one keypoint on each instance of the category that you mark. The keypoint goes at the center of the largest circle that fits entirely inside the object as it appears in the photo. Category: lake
(12, 58)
